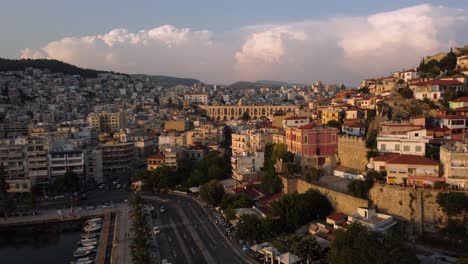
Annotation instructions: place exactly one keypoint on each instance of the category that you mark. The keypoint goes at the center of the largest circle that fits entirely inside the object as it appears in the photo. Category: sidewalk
(124, 241)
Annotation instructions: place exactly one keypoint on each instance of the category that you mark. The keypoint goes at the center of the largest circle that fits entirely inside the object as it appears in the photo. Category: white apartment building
(37, 165)
(201, 98)
(295, 121)
(246, 166)
(410, 142)
(250, 141)
(63, 160)
(454, 158)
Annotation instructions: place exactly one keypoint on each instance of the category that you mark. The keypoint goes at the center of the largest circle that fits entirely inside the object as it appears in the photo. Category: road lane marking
(182, 245)
(206, 254)
(175, 255)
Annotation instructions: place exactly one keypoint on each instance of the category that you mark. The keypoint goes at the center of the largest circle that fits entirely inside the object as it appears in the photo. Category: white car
(162, 209)
(156, 230)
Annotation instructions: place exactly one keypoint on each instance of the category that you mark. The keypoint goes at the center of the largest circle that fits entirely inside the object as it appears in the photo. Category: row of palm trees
(141, 246)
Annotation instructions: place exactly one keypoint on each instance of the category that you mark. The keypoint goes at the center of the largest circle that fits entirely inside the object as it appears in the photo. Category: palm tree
(5, 199)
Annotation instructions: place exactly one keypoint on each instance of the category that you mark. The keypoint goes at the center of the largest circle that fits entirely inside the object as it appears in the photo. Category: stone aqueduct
(229, 112)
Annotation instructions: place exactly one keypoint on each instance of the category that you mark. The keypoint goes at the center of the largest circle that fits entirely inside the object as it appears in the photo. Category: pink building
(315, 145)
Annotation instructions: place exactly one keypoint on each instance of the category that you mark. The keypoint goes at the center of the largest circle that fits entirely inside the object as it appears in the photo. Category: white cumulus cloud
(336, 49)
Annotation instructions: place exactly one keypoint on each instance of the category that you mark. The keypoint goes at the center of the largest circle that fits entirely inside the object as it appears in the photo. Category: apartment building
(329, 114)
(117, 158)
(246, 166)
(454, 160)
(37, 165)
(155, 161)
(408, 169)
(201, 98)
(403, 141)
(314, 145)
(295, 121)
(250, 141)
(106, 122)
(13, 159)
(63, 160)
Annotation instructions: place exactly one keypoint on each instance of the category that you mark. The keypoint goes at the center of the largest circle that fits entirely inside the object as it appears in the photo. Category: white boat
(81, 253)
(88, 244)
(89, 248)
(82, 262)
(93, 220)
(92, 228)
(89, 235)
(84, 259)
(88, 240)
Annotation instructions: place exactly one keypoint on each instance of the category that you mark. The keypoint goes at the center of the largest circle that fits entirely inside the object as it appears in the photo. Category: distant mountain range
(279, 83)
(168, 81)
(54, 66)
(250, 85)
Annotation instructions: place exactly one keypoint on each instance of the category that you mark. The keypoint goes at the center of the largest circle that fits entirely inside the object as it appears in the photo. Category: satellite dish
(370, 165)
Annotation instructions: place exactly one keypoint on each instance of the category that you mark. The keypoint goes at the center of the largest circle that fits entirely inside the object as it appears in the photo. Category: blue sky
(35, 24)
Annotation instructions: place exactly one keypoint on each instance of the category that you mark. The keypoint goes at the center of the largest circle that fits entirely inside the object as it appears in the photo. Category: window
(383, 147)
(418, 148)
(406, 148)
(305, 140)
(416, 134)
(397, 147)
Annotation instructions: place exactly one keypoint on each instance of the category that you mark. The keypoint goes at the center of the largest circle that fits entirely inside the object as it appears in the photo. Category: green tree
(406, 92)
(69, 182)
(210, 167)
(371, 140)
(212, 192)
(304, 246)
(453, 203)
(364, 89)
(295, 209)
(271, 182)
(237, 200)
(357, 245)
(250, 227)
(360, 188)
(227, 134)
(372, 153)
(334, 123)
(314, 174)
(3, 183)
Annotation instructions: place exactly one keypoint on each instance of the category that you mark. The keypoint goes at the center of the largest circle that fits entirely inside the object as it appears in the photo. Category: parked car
(156, 230)
(162, 209)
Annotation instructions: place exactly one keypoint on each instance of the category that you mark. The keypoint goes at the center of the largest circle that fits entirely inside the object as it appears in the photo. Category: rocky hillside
(397, 108)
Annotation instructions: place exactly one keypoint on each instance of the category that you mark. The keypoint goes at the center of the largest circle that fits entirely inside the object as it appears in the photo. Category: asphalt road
(188, 235)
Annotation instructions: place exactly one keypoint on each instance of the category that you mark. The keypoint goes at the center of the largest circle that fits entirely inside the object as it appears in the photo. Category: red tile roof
(156, 156)
(295, 118)
(336, 216)
(426, 178)
(461, 100)
(440, 82)
(308, 126)
(453, 117)
(411, 159)
(461, 109)
(385, 158)
(353, 123)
